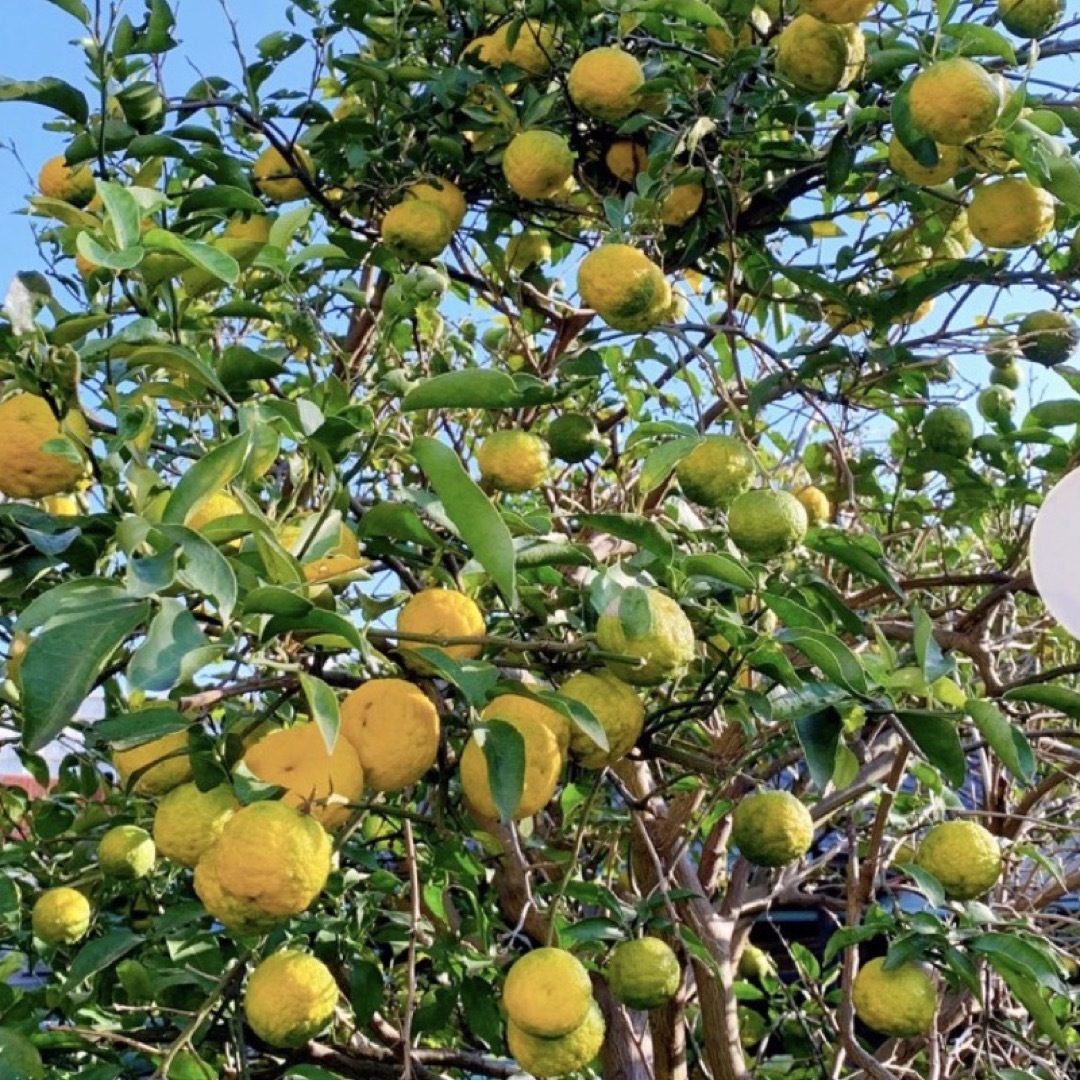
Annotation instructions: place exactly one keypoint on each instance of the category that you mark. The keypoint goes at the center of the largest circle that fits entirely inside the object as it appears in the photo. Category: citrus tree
(514, 543)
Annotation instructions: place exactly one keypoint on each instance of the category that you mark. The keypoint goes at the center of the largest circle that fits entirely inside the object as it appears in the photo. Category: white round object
(1054, 541)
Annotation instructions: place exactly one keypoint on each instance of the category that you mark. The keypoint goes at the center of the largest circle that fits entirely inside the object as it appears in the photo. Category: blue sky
(39, 45)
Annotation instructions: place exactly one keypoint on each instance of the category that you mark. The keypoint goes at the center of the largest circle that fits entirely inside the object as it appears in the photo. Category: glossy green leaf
(1004, 737)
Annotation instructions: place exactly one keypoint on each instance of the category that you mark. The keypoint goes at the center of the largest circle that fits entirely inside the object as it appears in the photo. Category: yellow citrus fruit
(61, 916)
(537, 164)
(767, 523)
(547, 993)
(20, 1059)
(948, 430)
(216, 505)
(439, 613)
(443, 193)
(625, 159)
(533, 51)
(647, 624)
(624, 287)
(573, 438)
(819, 57)
(27, 469)
(277, 179)
(338, 565)
(755, 964)
(235, 913)
(251, 227)
(187, 821)
(528, 248)
(291, 996)
(416, 230)
(58, 180)
(681, 204)
(716, 470)
(816, 504)
(838, 11)
(162, 764)
(488, 49)
(753, 1027)
(126, 851)
(517, 706)
(564, 1055)
(721, 41)
(619, 711)
(963, 856)
(1048, 337)
(604, 83)
(1010, 213)
(297, 759)
(513, 461)
(950, 162)
(543, 763)
(643, 974)
(955, 100)
(1031, 18)
(772, 828)
(899, 1003)
(394, 728)
(272, 857)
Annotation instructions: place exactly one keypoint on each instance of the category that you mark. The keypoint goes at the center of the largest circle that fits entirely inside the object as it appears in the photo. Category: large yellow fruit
(272, 857)
(416, 230)
(251, 227)
(772, 828)
(277, 179)
(1031, 18)
(838, 11)
(647, 624)
(604, 83)
(643, 974)
(563, 1056)
(950, 162)
(963, 856)
(61, 916)
(297, 759)
(237, 914)
(443, 193)
(899, 1003)
(537, 164)
(716, 470)
(533, 51)
(619, 711)
(767, 523)
(394, 728)
(337, 566)
(625, 159)
(27, 470)
(162, 763)
(517, 706)
(528, 248)
(684, 201)
(126, 852)
(439, 613)
(513, 461)
(58, 180)
(955, 100)
(624, 287)
(187, 821)
(291, 996)
(816, 504)
(543, 763)
(819, 57)
(1010, 213)
(547, 993)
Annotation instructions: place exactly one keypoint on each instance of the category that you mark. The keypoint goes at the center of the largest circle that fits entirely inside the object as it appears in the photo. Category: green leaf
(221, 197)
(99, 954)
(939, 742)
(323, 708)
(475, 388)
(175, 648)
(636, 529)
(90, 249)
(178, 359)
(657, 466)
(1064, 180)
(63, 662)
(912, 137)
(691, 11)
(1022, 954)
(203, 568)
(504, 752)
(853, 554)
(932, 661)
(1027, 992)
(1051, 414)
(974, 39)
(1005, 738)
(479, 524)
(579, 714)
(1053, 697)
(819, 735)
(838, 663)
(75, 8)
(141, 726)
(929, 885)
(122, 211)
(220, 264)
(719, 567)
(209, 474)
(53, 93)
